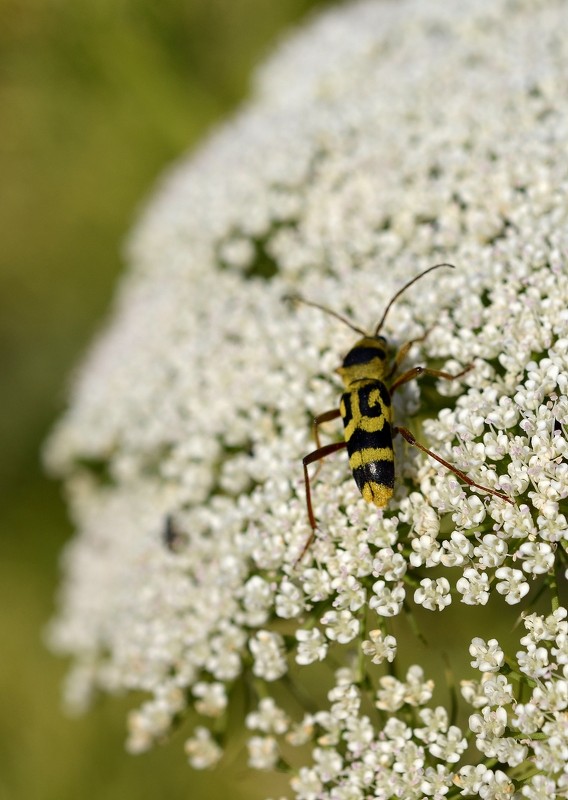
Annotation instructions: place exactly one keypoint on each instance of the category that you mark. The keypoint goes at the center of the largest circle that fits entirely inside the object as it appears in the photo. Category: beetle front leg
(403, 352)
(420, 372)
(316, 455)
(327, 416)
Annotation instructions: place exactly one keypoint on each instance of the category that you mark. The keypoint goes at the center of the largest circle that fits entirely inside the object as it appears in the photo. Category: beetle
(366, 410)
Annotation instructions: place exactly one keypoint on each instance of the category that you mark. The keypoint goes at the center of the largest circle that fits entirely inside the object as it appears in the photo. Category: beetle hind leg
(405, 433)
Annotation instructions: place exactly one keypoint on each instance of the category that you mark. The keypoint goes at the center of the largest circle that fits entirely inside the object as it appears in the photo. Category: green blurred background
(96, 98)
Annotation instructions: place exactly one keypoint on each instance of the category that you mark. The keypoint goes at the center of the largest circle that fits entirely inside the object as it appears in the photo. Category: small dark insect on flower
(173, 538)
(366, 410)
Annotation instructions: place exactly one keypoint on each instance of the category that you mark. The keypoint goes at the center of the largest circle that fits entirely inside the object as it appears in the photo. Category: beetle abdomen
(366, 414)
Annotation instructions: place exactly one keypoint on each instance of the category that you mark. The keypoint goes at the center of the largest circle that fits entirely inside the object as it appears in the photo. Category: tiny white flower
(538, 557)
(528, 718)
(487, 656)
(512, 584)
(397, 731)
(345, 700)
(389, 565)
(534, 661)
(263, 752)
(301, 733)
(410, 762)
(268, 652)
(328, 763)
(492, 551)
(509, 751)
(435, 720)
(496, 445)
(449, 746)
(436, 782)
(224, 661)
(387, 602)
(497, 690)
(212, 698)
(549, 754)
(471, 513)
(470, 779)
(350, 594)
(146, 725)
(391, 696)
(457, 550)
(358, 735)
(551, 695)
(379, 647)
(257, 599)
(472, 693)
(540, 787)
(382, 531)
(289, 601)
(433, 594)
(333, 724)
(426, 520)
(316, 583)
(560, 652)
(474, 586)
(306, 784)
(491, 723)
(268, 718)
(347, 791)
(545, 628)
(312, 646)
(202, 750)
(340, 626)
(426, 550)
(496, 786)
(418, 691)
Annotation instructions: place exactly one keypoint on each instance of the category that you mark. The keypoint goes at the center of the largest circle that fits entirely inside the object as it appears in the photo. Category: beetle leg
(419, 372)
(405, 433)
(327, 416)
(316, 455)
(403, 352)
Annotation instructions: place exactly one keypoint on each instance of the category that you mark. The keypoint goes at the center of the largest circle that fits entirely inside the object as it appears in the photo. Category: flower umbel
(383, 139)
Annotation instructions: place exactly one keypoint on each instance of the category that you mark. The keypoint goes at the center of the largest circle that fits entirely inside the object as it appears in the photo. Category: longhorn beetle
(366, 411)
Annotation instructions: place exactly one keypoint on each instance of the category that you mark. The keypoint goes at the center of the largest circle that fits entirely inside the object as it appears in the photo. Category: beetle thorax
(366, 361)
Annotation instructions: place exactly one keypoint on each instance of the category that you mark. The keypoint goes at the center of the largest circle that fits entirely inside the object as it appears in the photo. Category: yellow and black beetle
(366, 411)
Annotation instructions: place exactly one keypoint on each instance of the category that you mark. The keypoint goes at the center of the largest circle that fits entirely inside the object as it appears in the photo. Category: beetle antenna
(404, 288)
(295, 298)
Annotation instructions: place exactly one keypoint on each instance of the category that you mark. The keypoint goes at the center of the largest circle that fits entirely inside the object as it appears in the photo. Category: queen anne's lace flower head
(383, 139)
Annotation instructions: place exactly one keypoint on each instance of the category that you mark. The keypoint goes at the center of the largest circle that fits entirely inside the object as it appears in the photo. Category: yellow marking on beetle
(375, 398)
(365, 422)
(376, 493)
(356, 416)
(368, 424)
(369, 454)
(373, 424)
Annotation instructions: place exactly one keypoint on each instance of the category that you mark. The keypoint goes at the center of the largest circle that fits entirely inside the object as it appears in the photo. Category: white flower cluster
(383, 139)
(354, 756)
(530, 736)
